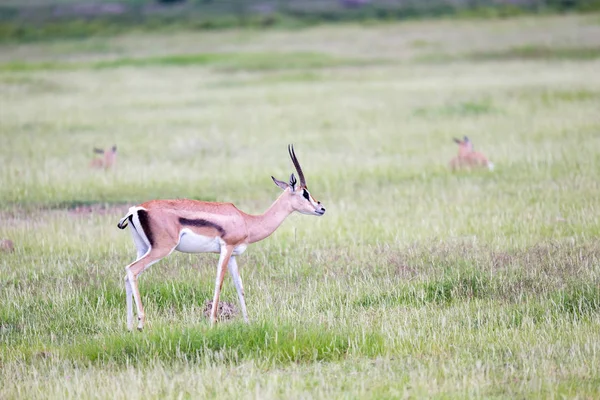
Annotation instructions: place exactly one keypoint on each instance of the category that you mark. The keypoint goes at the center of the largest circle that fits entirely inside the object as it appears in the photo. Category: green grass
(540, 53)
(232, 343)
(219, 61)
(418, 282)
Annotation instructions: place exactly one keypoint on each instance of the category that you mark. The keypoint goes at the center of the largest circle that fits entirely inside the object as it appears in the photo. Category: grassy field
(418, 282)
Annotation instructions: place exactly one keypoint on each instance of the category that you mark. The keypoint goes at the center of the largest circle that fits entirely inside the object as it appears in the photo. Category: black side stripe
(202, 223)
(145, 222)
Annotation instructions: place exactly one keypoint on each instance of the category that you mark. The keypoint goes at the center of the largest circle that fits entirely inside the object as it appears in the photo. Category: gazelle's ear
(466, 139)
(293, 182)
(456, 140)
(282, 185)
(98, 151)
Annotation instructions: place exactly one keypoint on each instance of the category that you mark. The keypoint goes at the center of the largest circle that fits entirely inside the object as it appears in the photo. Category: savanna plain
(417, 282)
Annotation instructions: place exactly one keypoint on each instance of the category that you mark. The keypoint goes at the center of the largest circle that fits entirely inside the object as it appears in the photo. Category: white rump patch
(138, 227)
(190, 242)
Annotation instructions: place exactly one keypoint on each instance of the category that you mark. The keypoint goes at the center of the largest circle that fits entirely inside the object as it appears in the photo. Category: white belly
(239, 249)
(190, 242)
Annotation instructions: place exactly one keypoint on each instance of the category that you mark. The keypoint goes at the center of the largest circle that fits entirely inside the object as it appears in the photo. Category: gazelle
(159, 227)
(108, 160)
(467, 157)
(7, 245)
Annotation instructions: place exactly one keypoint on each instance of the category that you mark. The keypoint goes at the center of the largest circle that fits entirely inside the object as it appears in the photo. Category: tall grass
(418, 282)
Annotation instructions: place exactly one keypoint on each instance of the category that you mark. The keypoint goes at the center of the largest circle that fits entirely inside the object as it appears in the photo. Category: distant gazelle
(467, 157)
(108, 159)
(160, 226)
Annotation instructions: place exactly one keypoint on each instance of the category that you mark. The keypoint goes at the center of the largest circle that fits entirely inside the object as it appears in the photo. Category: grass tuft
(534, 52)
(231, 343)
(582, 301)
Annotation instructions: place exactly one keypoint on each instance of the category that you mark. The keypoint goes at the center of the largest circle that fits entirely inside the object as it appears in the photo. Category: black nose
(323, 209)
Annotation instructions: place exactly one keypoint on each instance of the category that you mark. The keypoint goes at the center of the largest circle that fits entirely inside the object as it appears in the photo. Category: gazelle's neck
(262, 226)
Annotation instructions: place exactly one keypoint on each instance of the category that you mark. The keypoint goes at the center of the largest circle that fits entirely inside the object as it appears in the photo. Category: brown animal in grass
(467, 158)
(160, 227)
(108, 159)
(7, 245)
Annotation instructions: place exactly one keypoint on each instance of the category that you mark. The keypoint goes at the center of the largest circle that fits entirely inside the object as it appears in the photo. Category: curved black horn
(296, 164)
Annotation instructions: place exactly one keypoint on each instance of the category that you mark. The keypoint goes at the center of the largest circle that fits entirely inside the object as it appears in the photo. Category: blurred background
(44, 18)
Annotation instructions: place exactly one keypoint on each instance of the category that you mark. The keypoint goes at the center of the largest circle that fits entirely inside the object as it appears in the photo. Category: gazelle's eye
(305, 194)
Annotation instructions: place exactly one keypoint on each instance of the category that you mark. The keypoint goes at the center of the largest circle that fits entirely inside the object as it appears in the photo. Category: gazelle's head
(298, 195)
(465, 146)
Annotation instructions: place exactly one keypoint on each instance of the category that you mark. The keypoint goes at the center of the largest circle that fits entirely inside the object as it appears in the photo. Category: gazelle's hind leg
(133, 271)
(237, 280)
(142, 248)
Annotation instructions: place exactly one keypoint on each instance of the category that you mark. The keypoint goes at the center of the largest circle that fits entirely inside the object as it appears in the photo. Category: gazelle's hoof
(141, 323)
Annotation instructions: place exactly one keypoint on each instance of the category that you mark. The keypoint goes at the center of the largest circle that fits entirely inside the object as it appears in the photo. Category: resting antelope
(109, 159)
(467, 157)
(160, 226)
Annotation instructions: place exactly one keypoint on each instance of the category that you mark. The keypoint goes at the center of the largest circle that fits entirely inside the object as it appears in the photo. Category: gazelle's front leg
(237, 280)
(223, 260)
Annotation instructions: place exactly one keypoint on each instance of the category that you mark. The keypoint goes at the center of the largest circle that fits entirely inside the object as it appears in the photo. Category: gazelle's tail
(123, 222)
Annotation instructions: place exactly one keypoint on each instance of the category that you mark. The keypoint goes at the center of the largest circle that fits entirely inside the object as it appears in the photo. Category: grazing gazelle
(160, 226)
(467, 157)
(108, 160)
